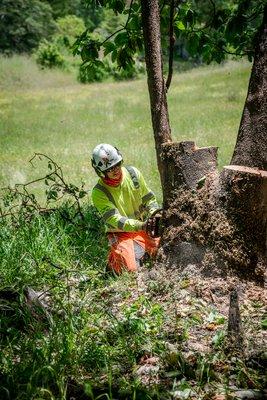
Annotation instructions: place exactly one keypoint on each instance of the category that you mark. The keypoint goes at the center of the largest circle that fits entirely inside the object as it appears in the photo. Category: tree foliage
(91, 15)
(57, 51)
(214, 29)
(23, 23)
(210, 29)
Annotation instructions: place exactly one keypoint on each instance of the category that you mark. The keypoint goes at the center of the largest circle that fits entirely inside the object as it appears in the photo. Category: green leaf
(109, 47)
(139, 42)
(89, 51)
(121, 39)
(134, 23)
(124, 58)
(180, 25)
(99, 64)
(264, 324)
(190, 16)
(172, 374)
(82, 193)
(114, 55)
(216, 318)
(52, 195)
(218, 338)
(118, 5)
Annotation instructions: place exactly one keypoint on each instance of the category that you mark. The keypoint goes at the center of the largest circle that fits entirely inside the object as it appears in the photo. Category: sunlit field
(49, 112)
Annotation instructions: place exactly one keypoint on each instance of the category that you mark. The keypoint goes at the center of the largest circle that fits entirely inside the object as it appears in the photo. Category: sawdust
(186, 297)
(199, 230)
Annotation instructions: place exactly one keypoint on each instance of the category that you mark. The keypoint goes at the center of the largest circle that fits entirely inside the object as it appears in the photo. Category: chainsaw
(154, 226)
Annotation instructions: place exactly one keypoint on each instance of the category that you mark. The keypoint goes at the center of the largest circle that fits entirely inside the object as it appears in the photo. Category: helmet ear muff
(97, 170)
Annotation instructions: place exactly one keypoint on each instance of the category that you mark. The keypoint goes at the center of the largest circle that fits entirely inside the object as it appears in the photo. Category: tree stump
(243, 196)
(235, 334)
(188, 169)
(219, 226)
(186, 165)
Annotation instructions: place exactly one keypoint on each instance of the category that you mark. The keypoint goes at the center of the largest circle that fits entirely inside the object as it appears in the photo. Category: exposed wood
(243, 195)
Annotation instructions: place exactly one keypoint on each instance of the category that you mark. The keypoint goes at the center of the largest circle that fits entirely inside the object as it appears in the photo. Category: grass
(101, 336)
(107, 337)
(49, 112)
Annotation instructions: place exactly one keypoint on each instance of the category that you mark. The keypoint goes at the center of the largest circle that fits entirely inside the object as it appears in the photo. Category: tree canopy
(209, 29)
(23, 23)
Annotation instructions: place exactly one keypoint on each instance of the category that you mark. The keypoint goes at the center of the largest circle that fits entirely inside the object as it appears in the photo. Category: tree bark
(156, 84)
(219, 225)
(187, 166)
(251, 146)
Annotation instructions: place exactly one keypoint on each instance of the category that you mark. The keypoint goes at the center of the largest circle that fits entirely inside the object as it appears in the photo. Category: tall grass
(49, 112)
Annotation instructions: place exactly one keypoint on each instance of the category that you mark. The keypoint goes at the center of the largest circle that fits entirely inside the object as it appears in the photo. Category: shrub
(57, 53)
(130, 73)
(101, 70)
(69, 28)
(49, 55)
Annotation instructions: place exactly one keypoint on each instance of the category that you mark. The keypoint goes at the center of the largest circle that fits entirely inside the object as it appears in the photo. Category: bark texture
(235, 334)
(156, 84)
(186, 166)
(251, 145)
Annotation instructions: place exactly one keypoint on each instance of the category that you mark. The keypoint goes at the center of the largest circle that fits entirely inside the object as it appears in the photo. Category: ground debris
(249, 394)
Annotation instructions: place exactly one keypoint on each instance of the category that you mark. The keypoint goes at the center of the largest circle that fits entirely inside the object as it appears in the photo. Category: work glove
(152, 226)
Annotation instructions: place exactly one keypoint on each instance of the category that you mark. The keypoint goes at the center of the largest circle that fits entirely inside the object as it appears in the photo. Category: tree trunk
(213, 223)
(243, 195)
(187, 166)
(218, 228)
(156, 84)
(251, 145)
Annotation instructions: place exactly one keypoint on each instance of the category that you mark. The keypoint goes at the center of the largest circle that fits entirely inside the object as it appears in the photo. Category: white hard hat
(105, 156)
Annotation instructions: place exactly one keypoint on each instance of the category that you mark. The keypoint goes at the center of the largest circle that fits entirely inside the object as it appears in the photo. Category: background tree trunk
(156, 84)
(251, 145)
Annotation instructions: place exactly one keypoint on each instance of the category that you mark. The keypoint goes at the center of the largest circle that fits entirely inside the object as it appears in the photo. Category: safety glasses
(114, 168)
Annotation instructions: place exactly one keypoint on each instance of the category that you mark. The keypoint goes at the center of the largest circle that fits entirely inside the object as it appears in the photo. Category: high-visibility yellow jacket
(124, 207)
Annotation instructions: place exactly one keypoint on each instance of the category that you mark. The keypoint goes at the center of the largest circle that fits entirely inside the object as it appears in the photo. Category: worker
(124, 202)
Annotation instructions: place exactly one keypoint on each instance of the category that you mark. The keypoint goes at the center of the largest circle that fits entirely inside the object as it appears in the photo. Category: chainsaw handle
(152, 225)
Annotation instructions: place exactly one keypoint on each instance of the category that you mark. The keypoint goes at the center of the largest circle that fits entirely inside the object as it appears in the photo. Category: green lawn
(49, 112)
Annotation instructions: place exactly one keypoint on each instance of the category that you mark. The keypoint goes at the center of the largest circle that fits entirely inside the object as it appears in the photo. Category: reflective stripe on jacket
(124, 207)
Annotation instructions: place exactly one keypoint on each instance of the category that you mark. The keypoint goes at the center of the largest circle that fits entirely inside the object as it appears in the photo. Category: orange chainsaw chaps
(122, 253)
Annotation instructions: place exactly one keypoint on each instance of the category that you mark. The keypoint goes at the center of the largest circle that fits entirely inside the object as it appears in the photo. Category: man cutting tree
(127, 207)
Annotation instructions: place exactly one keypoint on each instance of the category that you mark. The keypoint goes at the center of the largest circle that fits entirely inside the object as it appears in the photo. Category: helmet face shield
(105, 157)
